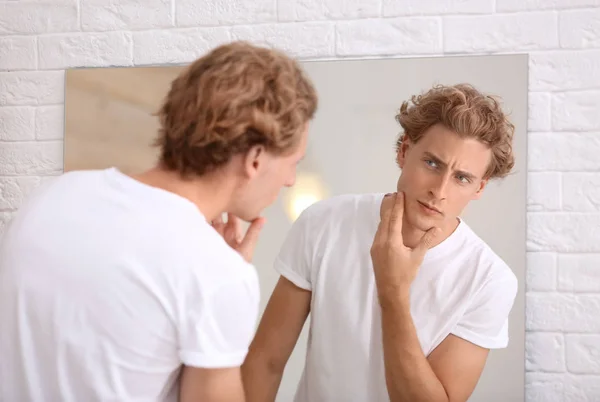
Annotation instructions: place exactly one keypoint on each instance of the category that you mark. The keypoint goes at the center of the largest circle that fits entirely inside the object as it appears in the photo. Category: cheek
(278, 178)
(289, 175)
(413, 179)
(461, 197)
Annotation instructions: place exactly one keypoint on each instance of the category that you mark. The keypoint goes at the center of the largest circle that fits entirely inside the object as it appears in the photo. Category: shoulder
(76, 179)
(218, 299)
(340, 207)
(349, 201)
(62, 186)
(325, 226)
(491, 269)
(205, 260)
(334, 218)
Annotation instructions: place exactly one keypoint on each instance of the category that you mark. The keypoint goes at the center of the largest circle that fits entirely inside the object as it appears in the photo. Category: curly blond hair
(236, 96)
(466, 111)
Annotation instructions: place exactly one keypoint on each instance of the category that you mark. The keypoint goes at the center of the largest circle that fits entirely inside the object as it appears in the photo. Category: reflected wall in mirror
(109, 123)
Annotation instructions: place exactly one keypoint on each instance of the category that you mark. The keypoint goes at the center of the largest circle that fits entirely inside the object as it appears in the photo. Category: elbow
(257, 362)
(274, 365)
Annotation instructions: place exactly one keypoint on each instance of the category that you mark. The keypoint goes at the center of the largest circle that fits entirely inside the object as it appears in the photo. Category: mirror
(109, 123)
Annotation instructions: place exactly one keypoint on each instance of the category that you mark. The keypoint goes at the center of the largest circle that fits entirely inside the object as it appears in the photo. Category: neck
(208, 193)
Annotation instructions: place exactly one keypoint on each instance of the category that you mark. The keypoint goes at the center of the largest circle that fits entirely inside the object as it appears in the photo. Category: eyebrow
(439, 161)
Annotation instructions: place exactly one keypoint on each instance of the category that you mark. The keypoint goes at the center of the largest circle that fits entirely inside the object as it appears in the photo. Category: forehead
(459, 153)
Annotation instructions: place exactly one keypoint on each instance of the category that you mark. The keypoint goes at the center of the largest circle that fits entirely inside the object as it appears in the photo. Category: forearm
(409, 377)
(261, 380)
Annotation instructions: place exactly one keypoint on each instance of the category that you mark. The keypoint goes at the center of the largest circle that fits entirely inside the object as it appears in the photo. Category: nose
(439, 187)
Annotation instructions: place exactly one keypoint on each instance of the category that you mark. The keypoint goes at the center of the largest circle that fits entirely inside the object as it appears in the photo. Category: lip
(429, 208)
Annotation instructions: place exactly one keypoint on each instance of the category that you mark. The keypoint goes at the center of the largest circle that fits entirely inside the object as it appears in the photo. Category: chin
(422, 223)
(246, 217)
(249, 216)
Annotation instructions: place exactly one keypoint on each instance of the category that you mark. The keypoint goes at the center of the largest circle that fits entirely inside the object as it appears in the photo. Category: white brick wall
(40, 38)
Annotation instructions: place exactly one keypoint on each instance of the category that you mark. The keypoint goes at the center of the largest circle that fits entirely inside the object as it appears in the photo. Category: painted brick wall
(40, 38)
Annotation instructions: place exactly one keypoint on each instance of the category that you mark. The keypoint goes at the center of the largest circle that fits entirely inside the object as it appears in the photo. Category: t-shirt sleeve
(216, 330)
(485, 322)
(294, 258)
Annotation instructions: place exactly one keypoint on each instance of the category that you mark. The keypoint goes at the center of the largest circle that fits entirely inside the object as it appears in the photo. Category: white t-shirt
(108, 286)
(462, 288)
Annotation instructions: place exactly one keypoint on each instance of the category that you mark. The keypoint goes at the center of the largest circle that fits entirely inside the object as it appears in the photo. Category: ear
(402, 151)
(479, 191)
(254, 160)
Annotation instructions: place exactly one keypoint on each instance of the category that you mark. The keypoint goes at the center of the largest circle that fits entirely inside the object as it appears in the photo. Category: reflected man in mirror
(405, 299)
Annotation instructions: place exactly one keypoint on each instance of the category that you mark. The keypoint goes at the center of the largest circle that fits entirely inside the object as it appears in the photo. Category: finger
(396, 215)
(218, 220)
(218, 224)
(427, 241)
(233, 229)
(386, 204)
(249, 241)
(385, 212)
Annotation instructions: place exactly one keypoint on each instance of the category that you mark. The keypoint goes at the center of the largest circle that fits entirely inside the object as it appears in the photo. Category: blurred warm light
(308, 189)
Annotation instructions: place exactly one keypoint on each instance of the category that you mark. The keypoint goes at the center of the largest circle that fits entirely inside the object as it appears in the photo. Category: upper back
(98, 271)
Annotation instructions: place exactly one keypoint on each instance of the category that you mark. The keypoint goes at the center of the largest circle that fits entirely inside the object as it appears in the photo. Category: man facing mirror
(405, 299)
(117, 286)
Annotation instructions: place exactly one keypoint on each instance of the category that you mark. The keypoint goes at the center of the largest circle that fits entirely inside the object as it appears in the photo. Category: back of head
(235, 97)
(467, 112)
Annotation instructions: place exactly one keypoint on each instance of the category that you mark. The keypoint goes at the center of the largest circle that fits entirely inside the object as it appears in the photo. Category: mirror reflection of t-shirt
(108, 286)
(462, 288)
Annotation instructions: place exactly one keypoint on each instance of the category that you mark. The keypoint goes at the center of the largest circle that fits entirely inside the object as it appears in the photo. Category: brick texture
(41, 38)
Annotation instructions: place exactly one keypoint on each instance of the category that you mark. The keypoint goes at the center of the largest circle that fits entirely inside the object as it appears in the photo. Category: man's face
(441, 173)
(268, 177)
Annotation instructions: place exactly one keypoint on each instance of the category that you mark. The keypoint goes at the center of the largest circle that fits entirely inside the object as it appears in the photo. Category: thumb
(427, 241)
(246, 247)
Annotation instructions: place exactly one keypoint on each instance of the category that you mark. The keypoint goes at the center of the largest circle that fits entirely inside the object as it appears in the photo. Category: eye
(463, 179)
(431, 163)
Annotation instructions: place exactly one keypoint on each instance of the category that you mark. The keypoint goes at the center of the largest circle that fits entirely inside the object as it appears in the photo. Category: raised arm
(449, 373)
(277, 334)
